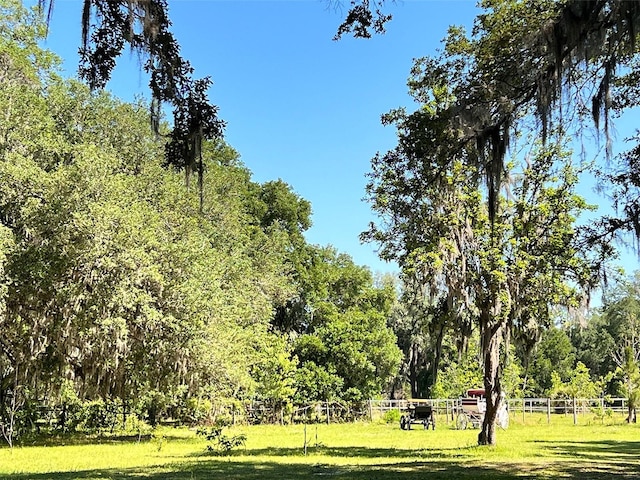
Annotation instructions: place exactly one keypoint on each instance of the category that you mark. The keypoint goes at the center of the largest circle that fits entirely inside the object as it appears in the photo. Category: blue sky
(298, 105)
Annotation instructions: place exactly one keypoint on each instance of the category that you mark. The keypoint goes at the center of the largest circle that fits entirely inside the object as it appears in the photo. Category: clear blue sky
(298, 105)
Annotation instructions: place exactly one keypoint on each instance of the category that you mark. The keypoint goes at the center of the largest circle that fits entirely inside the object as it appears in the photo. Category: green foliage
(327, 281)
(501, 270)
(512, 377)
(221, 444)
(99, 415)
(629, 375)
(353, 351)
(278, 205)
(523, 61)
(554, 353)
(594, 344)
(275, 375)
(158, 439)
(317, 382)
(106, 28)
(602, 413)
(499, 259)
(458, 377)
(6, 245)
(578, 385)
(122, 291)
(337, 324)
(391, 416)
(608, 342)
(424, 330)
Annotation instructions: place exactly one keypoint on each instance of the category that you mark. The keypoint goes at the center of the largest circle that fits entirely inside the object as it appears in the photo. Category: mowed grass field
(372, 451)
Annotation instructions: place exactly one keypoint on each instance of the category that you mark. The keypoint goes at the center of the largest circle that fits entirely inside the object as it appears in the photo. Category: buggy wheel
(403, 422)
(462, 421)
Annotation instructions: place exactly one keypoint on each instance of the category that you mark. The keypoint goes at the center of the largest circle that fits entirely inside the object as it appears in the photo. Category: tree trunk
(12, 407)
(631, 418)
(491, 342)
(414, 370)
(438, 355)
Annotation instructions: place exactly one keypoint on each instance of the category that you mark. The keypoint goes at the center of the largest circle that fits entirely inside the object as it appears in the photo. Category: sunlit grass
(533, 449)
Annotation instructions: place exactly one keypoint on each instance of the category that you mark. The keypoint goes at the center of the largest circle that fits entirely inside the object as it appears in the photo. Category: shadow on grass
(594, 450)
(598, 458)
(225, 468)
(393, 464)
(55, 440)
(351, 452)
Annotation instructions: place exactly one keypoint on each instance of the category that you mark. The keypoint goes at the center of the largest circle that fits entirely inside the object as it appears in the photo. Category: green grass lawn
(369, 451)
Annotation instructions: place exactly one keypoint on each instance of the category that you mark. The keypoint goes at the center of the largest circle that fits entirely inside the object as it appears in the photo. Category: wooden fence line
(372, 410)
(375, 409)
(558, 405)
(548, 406)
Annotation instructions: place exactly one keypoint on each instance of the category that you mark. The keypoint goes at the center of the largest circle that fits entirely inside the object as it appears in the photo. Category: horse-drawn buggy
(416, 414)
(470, 410)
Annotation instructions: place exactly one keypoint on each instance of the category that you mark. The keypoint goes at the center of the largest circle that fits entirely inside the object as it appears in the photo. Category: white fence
(523, 406)
(331, 412)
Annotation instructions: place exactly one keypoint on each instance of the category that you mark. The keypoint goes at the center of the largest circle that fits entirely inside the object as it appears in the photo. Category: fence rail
(523, 406)
(557, 405)
(333, 412)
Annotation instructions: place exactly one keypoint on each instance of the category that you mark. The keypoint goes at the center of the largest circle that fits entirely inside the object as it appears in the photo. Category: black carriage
(418, 415)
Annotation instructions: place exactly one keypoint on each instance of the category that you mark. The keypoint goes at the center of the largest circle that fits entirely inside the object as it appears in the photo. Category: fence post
(524, 408)
(370, 410)
(446, 410)
(328, 413)
(548, 411)
(305, 438)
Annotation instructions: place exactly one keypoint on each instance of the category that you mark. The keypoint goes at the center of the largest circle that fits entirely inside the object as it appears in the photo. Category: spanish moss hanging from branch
(107, 27)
